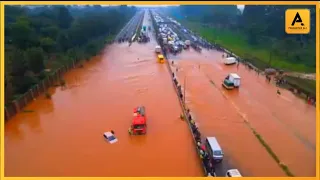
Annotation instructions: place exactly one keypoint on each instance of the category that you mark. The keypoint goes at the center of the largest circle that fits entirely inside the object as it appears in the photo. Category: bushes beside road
(38, 38)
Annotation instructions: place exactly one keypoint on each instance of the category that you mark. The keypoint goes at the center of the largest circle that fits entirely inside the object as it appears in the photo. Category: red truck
(139, 123)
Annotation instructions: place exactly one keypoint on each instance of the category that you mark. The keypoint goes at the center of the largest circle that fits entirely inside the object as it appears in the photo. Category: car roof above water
(213, 143)
(234, 75)
(234, 173)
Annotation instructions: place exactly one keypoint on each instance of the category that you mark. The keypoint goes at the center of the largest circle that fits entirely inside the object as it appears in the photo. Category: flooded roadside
(221, 113)
(63, 136)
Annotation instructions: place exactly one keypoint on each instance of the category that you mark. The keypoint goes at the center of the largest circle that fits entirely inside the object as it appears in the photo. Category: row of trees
(262, 25)
(46, 37)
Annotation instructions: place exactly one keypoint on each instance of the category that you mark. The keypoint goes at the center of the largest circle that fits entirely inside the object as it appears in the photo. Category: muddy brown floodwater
(63, 136)
(285, 121)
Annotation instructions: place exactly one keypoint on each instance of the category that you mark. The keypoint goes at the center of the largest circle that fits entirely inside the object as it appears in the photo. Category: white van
(233, 173)
(214, 149)
(230, 60)
(158, 49)
(235, 79)
(187, 42)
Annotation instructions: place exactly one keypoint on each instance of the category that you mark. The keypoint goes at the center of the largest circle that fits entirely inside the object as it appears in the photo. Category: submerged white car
(110, 137)
(233, 173)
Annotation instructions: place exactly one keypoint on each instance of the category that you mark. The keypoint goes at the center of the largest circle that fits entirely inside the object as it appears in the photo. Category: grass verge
(307, 86)
(269, 150)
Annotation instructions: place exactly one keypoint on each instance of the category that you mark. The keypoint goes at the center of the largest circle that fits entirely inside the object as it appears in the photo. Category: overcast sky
(240, 7)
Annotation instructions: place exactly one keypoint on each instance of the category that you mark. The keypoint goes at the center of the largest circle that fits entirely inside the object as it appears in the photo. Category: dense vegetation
(42, 38)
(256, 34)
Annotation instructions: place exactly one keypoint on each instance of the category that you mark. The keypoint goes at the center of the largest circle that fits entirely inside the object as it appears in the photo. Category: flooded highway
(285, 122)
(63, 136)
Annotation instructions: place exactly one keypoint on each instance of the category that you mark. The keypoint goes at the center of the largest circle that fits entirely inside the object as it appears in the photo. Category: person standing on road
(278, 92)
(201, 154)
(212, 169)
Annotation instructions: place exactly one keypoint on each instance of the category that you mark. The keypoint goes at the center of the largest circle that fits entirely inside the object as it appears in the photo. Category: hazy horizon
(239, 6)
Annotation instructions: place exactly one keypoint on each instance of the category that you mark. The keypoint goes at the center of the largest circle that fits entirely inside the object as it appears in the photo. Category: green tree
(35, 57)
(64, 18)
(50, 31)
(47, 44)
(15, 59)
(21, 33)
(51, 36)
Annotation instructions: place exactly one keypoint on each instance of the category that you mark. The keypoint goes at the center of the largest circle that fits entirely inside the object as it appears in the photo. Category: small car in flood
(233, 173)
(110, 137)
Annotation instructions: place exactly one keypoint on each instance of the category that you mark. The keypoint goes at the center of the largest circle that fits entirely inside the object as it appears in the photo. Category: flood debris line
(256, 134)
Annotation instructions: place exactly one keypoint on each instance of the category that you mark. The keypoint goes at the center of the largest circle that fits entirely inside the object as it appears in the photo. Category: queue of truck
(175, 44)
(169, 38)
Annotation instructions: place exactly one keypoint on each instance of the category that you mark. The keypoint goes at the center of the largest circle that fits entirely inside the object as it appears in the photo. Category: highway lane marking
(294, 132)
